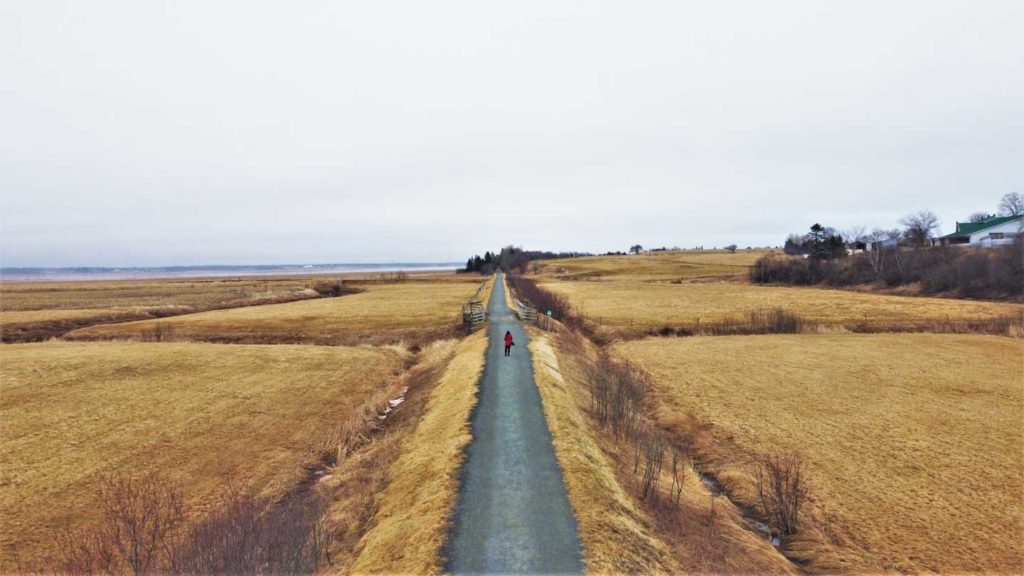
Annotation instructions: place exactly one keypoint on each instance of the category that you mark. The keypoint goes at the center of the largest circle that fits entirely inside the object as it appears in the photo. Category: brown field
(414, 312)
(914, 442)
(33, 311)
(652, 266)
(202, 415)
(624, 305)
(194, 292)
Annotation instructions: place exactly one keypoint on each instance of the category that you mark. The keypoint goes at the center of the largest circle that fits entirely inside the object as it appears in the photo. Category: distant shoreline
(84, 273)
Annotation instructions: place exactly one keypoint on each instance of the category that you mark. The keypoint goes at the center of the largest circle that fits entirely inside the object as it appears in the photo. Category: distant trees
(731, 248)
(636, 249)
(820, 243)
(512, 258)
(1011, 204)
(919, 227)
(978, 217)
(996, 272)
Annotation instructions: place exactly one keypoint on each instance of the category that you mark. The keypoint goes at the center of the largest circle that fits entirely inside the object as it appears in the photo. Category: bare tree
(854, 234)
(731, 248)
(1012, 204)
(782, 489)
(978, 217)
(138, 518)
(919, 227)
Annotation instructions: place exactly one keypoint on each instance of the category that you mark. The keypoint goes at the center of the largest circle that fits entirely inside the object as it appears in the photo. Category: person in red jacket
(508, 343)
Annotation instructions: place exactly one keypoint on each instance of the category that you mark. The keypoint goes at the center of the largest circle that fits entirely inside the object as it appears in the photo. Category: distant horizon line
(224, 266)
(73, 273)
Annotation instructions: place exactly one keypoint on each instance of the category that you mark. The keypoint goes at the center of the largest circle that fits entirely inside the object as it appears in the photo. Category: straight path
(513, 514)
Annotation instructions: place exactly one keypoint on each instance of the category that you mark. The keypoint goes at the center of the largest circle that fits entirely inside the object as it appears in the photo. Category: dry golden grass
(621, 533)
(915, 442)
(414, 511)
(194, 292)
(654, 266)
(638, 305)
(617, 537)
(202, 415)
(414, 312)
(35, 311)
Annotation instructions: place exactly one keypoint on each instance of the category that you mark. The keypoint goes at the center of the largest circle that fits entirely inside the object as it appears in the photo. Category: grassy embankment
(913, 441)
(413, 515)
(413, 312)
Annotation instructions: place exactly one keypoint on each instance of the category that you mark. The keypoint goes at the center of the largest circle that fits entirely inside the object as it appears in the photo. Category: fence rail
(474, 313)
(524, 312)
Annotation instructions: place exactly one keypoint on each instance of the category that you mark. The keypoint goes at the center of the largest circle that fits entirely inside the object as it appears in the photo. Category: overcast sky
(156, 133)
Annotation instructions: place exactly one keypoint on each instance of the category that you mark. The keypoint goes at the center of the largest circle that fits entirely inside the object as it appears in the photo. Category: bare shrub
(332, 288)
(781, 490)
(653, 448)
(245, 534)
(769, 321)
(679, 467)
(542, 299)
(617, 393)
(139, 516)
(996, 272)
(160, 332)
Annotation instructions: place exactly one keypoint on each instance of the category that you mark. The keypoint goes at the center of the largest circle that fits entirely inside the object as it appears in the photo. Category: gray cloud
(138, 133)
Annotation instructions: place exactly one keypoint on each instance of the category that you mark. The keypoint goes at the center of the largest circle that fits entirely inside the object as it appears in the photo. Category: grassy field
(915, 442)
(197, 292)
(32, 311)
(644, 306)
(413, 312)
(652, 266)
(203, 415)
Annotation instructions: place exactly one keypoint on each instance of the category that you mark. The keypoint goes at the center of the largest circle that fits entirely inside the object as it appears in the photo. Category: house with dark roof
(992, 231)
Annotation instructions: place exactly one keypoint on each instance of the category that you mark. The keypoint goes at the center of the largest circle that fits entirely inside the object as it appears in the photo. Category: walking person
(508, 343)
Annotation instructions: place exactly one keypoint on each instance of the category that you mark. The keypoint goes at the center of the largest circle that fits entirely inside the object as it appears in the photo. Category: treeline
(512, 258)
(994, 273)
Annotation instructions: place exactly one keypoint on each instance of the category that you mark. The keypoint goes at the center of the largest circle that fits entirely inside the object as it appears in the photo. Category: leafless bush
(617, 393)
(770, 321)
(679, 467)
(246, 534)
(996, 272)
(541, 299)
(653, 447)
(138, 517)
(332, 288)
(782, 489)
(160, 332)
